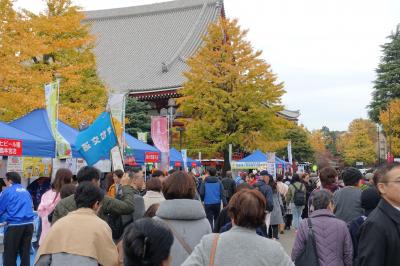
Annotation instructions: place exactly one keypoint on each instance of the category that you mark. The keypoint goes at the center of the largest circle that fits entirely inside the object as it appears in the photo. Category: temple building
(142, 50)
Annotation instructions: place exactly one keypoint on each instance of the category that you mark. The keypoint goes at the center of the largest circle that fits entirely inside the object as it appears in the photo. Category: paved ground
(287, 240)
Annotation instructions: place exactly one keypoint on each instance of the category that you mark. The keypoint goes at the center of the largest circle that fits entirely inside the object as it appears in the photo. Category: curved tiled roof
(144, 48)
(293, 115)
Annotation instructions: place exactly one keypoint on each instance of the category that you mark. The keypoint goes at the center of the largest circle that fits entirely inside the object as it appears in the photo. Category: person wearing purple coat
(332, 238)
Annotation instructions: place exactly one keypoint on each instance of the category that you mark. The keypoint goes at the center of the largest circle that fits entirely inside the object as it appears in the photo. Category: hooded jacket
(188, 219)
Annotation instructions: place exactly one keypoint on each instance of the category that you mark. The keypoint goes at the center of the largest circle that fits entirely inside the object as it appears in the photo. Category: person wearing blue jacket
(16, 204)
(212, 193)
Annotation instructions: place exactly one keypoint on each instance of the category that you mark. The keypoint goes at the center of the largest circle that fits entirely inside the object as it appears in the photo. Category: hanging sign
(10, 147)
(152, 157)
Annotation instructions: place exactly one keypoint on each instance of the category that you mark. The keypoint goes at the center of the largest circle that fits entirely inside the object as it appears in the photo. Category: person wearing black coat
(229, 186)
(265, 189)
(379, 242)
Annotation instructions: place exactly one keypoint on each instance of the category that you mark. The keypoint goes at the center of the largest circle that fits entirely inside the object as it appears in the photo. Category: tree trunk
(227, 165)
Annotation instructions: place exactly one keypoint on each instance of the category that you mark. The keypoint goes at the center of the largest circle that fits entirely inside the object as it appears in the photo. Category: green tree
(302, 150)
(357, 143)
(231, 95)
(387, 83)
(138, 119)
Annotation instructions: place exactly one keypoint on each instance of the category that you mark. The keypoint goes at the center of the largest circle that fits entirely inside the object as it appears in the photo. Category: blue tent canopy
(139, 148)
(33, 146)
(37, 123)
(260, 157)
(257, 156)
(176, 156)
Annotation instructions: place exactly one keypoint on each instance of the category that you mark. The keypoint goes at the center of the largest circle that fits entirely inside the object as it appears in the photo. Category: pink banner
(159, 133)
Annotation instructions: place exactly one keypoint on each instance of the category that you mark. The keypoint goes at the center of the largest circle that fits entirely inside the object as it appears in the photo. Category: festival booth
(259, 160)
(15, 142)
(176, 159)
(36, 123)
(143, 153)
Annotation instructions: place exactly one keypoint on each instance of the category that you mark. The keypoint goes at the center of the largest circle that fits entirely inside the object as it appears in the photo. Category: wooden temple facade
(142, 50)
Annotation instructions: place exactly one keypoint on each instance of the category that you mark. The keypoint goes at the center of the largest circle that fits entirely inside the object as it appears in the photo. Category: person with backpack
(332, 241)
(296, 197)
(212, 194)
(229, 185)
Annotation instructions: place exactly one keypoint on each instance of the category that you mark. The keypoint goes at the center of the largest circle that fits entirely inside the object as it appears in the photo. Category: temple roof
(291, 115)
(144, 48)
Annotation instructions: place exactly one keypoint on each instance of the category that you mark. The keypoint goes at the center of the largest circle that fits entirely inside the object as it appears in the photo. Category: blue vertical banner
(95, 142)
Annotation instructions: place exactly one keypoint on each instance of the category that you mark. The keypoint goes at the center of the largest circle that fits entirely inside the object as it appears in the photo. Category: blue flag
(95, 142)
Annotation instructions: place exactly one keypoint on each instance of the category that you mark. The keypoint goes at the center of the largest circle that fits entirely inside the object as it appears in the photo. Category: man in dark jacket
(229, 185)
(108, 204)
(379, 242)
(266, 190)
(212, 193)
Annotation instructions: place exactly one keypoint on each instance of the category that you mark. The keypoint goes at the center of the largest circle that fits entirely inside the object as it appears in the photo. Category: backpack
(299, 197)
(308, 256)
(116, 224)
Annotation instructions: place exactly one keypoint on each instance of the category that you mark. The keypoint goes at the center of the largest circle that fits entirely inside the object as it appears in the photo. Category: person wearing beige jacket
(153, 194)
(81, 237)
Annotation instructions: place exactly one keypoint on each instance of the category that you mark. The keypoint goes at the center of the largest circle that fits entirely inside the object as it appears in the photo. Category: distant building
(142, 50)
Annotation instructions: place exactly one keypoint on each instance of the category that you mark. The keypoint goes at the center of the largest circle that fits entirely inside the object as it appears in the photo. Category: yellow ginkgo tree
(41, 47)
(231, 95)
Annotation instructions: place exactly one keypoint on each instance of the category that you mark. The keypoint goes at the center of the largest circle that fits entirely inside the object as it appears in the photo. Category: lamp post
(180, 130)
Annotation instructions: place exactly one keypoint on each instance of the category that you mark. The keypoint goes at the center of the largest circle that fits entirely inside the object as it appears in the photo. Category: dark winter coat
(379, 242)
(332, 238)
(229, 187)
(266, 190)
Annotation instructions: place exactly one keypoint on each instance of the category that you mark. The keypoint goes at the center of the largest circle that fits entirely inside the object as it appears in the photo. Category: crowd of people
(176, 218)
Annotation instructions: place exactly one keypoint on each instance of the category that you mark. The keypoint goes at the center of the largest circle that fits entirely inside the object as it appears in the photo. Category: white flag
(289, 151)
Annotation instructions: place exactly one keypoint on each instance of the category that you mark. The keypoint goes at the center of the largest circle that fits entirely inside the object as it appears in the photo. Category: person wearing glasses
(379, 242)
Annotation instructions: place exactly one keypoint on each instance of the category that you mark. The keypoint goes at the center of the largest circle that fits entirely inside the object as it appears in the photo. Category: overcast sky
(325, 51)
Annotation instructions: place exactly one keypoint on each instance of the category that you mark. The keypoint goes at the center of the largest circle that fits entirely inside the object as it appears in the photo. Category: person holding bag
(241, 246)
(333, 244)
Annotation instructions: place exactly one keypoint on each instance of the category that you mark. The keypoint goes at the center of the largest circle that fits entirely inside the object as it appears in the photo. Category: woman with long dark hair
(51, 198)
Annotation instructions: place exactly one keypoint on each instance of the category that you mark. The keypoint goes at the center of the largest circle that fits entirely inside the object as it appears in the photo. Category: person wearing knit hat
(369, 200)
(347, 200)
